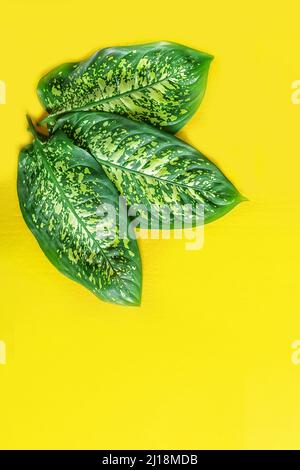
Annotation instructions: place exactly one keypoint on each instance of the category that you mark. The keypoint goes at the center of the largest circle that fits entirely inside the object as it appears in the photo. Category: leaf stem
(31, 127)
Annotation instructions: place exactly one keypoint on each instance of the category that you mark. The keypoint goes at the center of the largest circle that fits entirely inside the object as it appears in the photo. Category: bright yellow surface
(205, 362)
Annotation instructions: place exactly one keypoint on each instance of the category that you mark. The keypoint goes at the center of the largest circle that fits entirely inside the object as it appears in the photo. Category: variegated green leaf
(151, 167)
(161, 83)
(62, 192)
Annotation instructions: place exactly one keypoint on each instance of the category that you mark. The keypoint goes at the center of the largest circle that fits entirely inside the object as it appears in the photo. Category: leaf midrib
(145, 175)
(57, 184)
(92, 104)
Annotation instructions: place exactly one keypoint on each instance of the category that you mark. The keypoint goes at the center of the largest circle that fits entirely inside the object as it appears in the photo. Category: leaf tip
(135, 300)
(243, 198)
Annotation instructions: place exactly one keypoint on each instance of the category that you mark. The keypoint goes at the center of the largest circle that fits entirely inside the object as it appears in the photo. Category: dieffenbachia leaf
(64, 195)
(160, 83)
(151, 167)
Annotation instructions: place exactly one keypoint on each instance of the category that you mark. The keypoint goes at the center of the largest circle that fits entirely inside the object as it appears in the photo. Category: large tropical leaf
(64, 196)
(161, 83)
(151, 167)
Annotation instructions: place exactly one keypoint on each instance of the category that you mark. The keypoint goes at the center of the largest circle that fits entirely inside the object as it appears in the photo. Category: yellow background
(205, 362)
